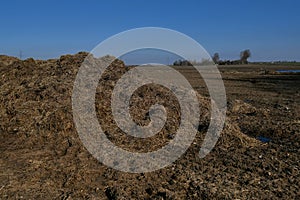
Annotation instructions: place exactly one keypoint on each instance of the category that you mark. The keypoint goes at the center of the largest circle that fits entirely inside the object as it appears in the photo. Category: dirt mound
(42, 90)
(7, 60)
(42, 155)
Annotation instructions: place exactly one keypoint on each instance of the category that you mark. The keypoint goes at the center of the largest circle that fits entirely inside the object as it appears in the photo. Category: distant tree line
(182, 63)
(193, 62)
(244, 55)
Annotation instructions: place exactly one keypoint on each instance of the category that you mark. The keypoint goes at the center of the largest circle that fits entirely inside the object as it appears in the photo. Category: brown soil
(42, 156)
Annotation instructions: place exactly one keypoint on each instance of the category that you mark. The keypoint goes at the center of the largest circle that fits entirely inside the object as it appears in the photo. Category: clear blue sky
(47, 29)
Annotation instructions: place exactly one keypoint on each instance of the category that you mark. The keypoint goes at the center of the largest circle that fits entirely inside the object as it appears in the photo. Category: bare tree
(216, 58)
(20, 54)
(244, 55)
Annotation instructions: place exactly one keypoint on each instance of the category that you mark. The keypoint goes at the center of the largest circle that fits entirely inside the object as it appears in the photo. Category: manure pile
(42, 156)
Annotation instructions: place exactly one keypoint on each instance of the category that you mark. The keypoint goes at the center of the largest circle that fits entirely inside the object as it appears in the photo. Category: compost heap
(42, 155)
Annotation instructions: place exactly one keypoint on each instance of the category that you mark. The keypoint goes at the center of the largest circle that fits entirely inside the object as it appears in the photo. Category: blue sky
(47, 29)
